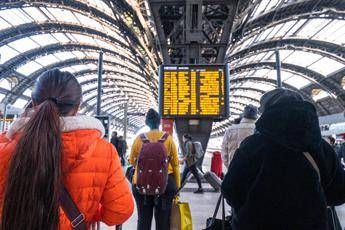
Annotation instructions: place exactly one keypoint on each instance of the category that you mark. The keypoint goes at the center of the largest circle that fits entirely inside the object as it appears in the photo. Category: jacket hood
(294, 125)
(68, 124)
(79, 134)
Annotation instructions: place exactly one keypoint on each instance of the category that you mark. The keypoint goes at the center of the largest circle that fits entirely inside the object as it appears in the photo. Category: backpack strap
(313, 163)
(144, 138)
(163, 138)
(71, 210)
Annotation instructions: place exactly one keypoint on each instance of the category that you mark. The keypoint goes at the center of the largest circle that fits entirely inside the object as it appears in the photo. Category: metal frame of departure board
(186, 67)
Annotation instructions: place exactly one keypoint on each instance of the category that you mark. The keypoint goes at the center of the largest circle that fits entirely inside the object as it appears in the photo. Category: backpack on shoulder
(152, 166)
(198, 150)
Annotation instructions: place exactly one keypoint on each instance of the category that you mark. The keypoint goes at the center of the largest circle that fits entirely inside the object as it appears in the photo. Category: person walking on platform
(145, 157)
(55, 168)
(190, 161)
(122, 148)
(115, 140)
(237, 133)
(284, 175)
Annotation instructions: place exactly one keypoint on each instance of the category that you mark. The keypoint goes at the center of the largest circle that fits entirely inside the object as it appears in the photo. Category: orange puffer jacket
(93, 173)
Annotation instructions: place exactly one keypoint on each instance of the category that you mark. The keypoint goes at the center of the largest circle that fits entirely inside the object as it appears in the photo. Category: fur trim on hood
(68, 124)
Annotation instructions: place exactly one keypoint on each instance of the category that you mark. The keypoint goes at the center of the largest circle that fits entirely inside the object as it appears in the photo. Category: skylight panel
(261, 7)
(302, 58)
(275, 30)
(4, 24)
(17, 17)
(64, 55)
(78, 68)
(29, 68)
(61, 37)
(318, 94)
(47, 60)
(68, 69)
(100, 5)
(5, 84)
(286, 27)
(284, 54)
(273, 4)
(88, 86)
(64, 15)
(84, 78)
(44, 39)
(90, 22)
(2, 96)
(297, 81)
(78, 54)
(20, 103)
(35, 13)
(27, 92)
(7, 53)
(23, 45)
(84, 39)
(326, 66)
(312, 27)
(258, 85)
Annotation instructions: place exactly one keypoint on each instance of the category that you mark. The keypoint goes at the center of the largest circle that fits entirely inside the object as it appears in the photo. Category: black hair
(153, 119)
(187, 136)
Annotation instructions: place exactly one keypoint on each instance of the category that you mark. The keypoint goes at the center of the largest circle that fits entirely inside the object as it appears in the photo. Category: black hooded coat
(271, 184)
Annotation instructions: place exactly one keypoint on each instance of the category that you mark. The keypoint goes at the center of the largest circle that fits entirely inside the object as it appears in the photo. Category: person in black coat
(270, 184)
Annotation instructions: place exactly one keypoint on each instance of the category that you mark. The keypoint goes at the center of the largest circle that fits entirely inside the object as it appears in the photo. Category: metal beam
(287, 12)
(323, 48)
(20, 88)
(322, 81)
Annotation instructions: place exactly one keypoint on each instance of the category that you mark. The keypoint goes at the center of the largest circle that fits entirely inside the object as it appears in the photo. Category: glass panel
(7, 53)
(20, 103)
(27, 92)
(326, 66)
(23, 45)
(35, 13)
(297, 81)
(5, 84)
(44, 39)
(320, 95)
(47, 60)
(2, 96)
(29, 68)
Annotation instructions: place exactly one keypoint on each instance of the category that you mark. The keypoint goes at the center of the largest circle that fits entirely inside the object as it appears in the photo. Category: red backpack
(152, 166)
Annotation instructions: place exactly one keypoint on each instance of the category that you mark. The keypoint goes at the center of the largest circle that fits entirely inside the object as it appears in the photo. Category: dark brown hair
(34, 178)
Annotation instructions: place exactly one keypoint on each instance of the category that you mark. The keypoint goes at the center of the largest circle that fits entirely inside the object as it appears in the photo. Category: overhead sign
(194, 91)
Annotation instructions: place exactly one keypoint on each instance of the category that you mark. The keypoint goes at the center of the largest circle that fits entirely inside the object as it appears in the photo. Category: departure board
(194, 91)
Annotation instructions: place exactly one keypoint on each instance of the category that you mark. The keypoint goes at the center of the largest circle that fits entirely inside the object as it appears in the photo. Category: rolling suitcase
(213, 180)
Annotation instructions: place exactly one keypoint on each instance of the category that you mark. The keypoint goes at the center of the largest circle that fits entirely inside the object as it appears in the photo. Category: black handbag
(129, 173)
(213, 223)
(332, 219)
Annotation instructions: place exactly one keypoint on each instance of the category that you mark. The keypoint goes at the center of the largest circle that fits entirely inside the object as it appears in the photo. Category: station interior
(125, 53)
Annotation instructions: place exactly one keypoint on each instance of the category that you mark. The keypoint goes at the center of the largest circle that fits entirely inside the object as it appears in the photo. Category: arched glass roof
(69, 35)
(310, 37)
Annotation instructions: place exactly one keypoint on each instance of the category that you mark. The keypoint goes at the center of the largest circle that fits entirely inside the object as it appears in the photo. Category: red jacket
(91, 168)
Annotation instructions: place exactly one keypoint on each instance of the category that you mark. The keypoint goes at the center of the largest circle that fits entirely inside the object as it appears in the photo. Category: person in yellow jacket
(161, 205)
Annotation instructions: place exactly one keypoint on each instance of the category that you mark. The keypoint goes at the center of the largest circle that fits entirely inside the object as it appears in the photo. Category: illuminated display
(194, 91)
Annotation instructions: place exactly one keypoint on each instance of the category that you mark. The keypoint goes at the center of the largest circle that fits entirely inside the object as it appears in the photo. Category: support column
(99, 86)
(278, 67)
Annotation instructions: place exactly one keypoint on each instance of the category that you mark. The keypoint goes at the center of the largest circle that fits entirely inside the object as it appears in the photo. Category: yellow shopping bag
(181, 218)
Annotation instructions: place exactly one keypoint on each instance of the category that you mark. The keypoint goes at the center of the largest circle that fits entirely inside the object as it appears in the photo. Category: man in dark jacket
(270, 183)
(115, 140)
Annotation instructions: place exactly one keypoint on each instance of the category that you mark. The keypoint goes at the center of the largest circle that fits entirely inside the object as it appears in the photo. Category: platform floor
(202, 206)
